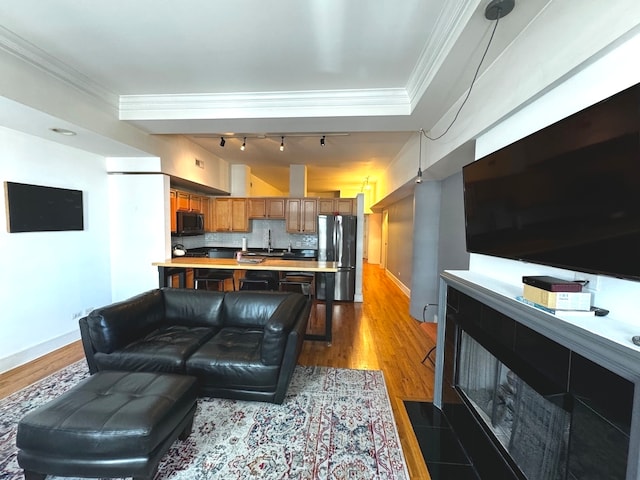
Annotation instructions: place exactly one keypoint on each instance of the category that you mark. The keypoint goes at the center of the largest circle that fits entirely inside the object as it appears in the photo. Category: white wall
(613, 72)
(139, 231)
(50, 278)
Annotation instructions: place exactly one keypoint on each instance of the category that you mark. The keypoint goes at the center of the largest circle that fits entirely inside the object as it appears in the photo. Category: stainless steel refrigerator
(337, 243)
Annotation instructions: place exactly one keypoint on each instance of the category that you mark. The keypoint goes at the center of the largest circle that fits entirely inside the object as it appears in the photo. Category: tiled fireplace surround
(531, 395)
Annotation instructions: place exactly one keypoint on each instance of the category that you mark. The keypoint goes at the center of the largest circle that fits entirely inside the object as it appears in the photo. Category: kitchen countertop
(269, 263)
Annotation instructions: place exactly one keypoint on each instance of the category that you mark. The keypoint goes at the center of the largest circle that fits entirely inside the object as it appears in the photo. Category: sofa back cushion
(117, 325)
(250, 308)
(193, 308)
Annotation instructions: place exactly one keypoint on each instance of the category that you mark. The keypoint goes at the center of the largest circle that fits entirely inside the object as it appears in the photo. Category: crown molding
(451, 22)
(38, 58)
(296, 104)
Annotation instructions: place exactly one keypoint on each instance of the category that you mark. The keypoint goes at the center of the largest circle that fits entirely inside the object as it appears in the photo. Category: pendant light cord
(473, 81)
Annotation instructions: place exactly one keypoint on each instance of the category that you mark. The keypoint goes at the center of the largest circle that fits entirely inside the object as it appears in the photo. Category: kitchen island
(173, 266)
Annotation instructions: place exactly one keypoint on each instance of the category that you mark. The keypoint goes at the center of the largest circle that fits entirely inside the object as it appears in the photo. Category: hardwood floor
(377, 334)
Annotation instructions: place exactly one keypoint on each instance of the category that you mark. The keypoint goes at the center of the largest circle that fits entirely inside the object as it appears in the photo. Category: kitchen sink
(263, 254)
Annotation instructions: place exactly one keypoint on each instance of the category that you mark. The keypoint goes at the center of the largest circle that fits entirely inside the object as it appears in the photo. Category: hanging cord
(473, 81)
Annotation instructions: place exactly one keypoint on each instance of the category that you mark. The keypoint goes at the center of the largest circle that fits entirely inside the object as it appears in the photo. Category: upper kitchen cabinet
(340, 206)
(173, 202)
(273, 208)
(230, 214)
(301, 215)
(189, 202)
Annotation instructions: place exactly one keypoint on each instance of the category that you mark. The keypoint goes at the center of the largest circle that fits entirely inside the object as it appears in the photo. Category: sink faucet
(269, 244)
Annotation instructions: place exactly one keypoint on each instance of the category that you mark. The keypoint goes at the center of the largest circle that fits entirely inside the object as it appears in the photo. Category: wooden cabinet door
(257, 207)
(293, 207)
(173, 203)
(309, 215)
(195, 203)
(222, 215)
(345, 206)
(182, 199)
(275, 208)
(326, 206)
(239, 218)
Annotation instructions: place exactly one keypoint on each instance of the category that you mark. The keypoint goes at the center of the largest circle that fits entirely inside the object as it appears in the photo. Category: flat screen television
(567, 195)
(37, 208)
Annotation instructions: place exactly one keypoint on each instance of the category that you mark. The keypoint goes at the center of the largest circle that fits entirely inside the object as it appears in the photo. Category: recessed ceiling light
(63, 131)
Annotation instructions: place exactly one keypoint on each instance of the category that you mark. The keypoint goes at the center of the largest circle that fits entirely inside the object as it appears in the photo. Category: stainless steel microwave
(190, 223)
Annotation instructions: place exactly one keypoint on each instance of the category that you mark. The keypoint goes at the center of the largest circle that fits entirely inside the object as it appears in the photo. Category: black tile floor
(441, 450)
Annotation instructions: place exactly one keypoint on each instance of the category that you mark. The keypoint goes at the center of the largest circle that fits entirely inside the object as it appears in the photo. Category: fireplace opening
(532, 428)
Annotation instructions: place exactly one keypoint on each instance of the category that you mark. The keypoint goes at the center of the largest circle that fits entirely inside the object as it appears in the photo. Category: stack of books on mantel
(556, 296)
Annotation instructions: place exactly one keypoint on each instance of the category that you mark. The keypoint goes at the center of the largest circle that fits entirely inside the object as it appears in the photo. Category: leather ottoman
(112, 424)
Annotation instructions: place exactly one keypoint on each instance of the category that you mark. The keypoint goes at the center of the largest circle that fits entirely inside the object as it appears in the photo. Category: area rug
(333, 424)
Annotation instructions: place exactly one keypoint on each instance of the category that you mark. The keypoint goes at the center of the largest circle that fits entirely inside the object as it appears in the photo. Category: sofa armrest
(87, 345)
(276, 330)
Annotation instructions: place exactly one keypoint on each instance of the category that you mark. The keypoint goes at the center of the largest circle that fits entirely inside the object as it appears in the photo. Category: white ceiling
(374, 72)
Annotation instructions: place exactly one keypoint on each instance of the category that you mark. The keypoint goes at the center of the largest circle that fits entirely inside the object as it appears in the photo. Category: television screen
(566, 196)
(36, 208)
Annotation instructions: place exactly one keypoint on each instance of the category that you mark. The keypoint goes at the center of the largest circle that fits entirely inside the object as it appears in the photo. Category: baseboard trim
(33, 353)
(399, 284)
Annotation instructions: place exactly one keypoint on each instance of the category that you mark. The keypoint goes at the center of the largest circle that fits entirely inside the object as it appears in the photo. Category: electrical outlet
(594, 280)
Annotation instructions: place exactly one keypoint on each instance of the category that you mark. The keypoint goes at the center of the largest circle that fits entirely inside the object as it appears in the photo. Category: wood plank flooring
(377, 334)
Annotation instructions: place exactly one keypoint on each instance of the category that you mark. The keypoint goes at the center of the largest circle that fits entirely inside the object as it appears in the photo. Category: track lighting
(322, 141)
(222, 142)
(244, 144)
(282, 144)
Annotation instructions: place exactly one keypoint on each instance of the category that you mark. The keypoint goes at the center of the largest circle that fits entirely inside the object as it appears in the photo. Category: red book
(552, 284)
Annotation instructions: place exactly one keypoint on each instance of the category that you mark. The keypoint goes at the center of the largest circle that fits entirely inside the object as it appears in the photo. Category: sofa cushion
(163, 350)
(250, 308)
(186, 306)
(117, 325)
(231, 359)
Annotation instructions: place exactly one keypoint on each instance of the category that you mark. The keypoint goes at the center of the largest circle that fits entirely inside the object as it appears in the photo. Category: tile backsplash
(258, 237)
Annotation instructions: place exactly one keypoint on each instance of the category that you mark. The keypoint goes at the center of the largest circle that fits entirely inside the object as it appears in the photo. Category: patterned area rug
(334, 424)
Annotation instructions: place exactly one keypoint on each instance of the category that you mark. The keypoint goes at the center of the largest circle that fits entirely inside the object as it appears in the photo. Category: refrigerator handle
(337, 239)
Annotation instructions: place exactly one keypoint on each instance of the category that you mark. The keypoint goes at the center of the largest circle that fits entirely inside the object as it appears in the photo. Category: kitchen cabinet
(173, 203)
(272, 208)
(182, 200)
(301, 215)
(189, 202)
(341, 206)
(195, 203)
(230, 215)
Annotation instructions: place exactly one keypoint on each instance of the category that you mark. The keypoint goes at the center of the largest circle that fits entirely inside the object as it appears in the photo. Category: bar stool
(209, 275)
(297, 282)
(260, 280)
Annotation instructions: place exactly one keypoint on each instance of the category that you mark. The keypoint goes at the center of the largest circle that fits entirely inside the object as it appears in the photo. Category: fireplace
(525, 405)
(532, 428)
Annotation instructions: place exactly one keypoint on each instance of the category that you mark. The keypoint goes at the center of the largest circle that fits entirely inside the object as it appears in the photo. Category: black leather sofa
(242, 345)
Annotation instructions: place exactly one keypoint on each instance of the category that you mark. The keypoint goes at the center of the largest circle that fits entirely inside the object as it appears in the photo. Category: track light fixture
(322, 141)
(222, 142)
(282, 144)
(244, 144)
